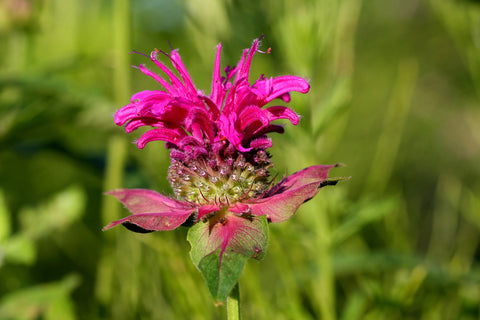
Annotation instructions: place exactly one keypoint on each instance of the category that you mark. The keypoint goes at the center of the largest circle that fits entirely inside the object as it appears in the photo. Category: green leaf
(222, 245)
(43, 301)
(55, 214)
(222, 278)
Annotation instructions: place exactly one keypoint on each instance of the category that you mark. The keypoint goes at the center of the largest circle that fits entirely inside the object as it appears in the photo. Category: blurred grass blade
(367, 212)
(5, 227)
(354, 307)
(462, 21)
(335, 103)
(122, 46)
(393, 126)
(446, 217)
(116, 158)
(471, 209)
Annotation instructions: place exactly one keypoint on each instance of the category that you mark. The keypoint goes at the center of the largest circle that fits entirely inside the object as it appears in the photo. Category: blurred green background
(395, 96)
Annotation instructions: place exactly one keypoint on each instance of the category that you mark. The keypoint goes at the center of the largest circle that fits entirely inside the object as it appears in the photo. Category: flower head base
(219, 168)
(220, 179)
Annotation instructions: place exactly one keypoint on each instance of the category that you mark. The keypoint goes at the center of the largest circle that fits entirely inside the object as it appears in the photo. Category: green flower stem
(233, 304)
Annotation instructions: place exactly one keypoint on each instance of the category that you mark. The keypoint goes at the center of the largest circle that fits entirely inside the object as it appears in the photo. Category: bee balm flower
(220, 165)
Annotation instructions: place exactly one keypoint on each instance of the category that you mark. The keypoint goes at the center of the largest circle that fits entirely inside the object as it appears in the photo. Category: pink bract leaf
(206, 209)
(313, 174)
(283, 200)
(151, 211)
(221, 247)
(147, 222)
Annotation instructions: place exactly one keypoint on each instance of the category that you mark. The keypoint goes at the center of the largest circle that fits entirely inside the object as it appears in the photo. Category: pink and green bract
(220, 165)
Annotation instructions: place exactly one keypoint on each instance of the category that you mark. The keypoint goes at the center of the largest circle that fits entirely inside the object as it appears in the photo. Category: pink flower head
(191, 121)
(219, 168)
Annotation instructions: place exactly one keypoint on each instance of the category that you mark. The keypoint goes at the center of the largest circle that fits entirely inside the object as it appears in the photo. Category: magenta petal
(159, 79)
(151, 210)
(189, 140)
(177, 85)
(150, 95)
(285, 97)
(233, 110)
(134, 124)
(168, 135)
(245, 70)
(212, 107)
(282, 85)
(155, 105)
(235, 71)
(126, 113)
(251, 114)
(271, 128)
(201, 118)
(217, 93)
(284, 199)
(187, 80)
(227, 129)
(281, 112)
(261, 143)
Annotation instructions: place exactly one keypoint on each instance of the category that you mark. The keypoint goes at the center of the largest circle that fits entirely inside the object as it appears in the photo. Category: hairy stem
(233, 304)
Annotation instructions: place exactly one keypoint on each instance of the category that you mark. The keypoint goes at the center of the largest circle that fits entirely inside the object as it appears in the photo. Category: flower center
(220, 179)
